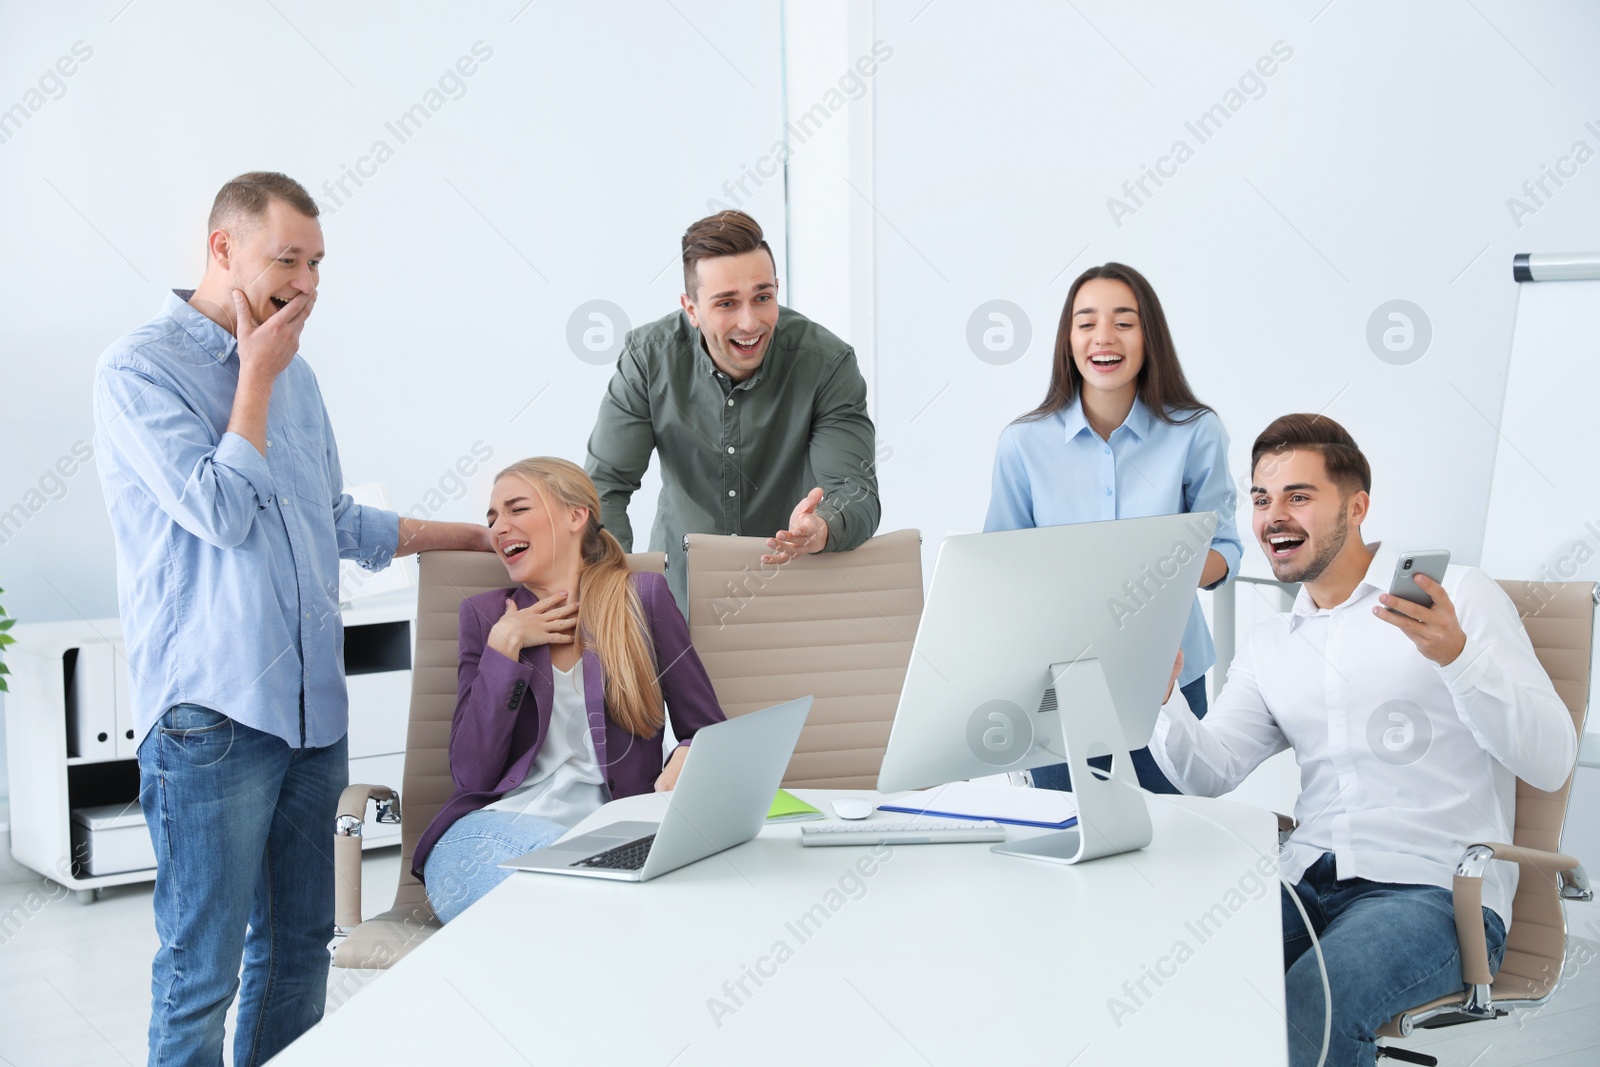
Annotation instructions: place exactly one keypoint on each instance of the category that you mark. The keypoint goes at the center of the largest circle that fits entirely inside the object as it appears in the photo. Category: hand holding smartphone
(1410, 564)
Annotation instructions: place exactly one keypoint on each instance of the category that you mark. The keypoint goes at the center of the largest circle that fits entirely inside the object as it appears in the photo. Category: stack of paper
(1008, 804)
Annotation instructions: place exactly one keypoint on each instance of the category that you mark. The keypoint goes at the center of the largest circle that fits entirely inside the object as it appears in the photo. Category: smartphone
(1409, 565)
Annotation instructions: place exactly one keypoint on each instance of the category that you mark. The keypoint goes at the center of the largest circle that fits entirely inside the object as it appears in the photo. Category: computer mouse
(852, 808)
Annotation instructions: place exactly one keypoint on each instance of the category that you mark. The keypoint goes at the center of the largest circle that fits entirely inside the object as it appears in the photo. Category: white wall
(1375, 165)
(563, 170)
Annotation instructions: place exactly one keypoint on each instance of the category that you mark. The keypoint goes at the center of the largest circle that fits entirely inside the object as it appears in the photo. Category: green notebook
(786, 807)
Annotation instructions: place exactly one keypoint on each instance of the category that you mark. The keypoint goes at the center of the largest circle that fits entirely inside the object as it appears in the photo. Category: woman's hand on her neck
(551, 620)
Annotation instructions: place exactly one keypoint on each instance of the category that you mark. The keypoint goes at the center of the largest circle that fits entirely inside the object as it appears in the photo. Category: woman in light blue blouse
(1119, 436)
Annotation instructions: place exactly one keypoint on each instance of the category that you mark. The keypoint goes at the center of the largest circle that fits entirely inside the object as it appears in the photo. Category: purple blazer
(503, 708)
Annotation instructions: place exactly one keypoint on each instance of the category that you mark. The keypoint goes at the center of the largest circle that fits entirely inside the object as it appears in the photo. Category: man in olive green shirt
(752, 406)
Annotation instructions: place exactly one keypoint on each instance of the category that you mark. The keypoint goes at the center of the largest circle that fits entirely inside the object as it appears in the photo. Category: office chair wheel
(1405, 1055)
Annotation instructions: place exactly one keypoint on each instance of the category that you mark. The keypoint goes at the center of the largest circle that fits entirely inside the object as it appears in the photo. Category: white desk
(944, 954)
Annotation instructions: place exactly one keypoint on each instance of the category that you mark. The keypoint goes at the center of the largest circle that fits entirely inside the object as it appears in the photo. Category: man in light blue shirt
(223, 482)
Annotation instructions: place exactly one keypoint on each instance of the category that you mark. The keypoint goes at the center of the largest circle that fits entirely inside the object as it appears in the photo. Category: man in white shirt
(1410, 724)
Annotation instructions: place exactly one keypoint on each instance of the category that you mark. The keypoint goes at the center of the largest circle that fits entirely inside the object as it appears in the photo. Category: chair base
(1407, 1056)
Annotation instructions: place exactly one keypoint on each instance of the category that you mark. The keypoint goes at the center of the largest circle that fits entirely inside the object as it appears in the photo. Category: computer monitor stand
(1112, 815)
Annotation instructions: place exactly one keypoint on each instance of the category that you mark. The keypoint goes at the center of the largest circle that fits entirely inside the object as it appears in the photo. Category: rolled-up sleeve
(212, 487)
(1207, 486)
(366, 534)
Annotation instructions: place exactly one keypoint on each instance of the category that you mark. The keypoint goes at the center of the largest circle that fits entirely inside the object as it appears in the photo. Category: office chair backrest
(446, 579)
(1559, 618)
(836, 625)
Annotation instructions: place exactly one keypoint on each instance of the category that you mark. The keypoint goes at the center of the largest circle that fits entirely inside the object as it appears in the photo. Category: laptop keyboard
(629, 857)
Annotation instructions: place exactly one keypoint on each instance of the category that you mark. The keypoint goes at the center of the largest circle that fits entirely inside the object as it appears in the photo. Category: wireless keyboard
(901, 832)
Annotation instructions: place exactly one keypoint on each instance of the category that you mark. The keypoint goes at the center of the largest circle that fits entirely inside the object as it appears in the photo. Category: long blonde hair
(610, 616)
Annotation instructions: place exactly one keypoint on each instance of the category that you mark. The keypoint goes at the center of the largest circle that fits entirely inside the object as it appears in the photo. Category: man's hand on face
(266, 348)
(1435, 631)
(807, 532)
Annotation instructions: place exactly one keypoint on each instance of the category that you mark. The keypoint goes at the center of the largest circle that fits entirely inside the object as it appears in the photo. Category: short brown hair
(1347, 466)
(247, 196)
(727, 233)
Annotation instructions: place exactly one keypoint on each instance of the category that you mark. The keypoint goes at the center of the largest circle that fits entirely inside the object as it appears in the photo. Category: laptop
(723, 794)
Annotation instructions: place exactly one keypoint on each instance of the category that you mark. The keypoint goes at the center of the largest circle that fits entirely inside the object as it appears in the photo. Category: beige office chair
(835, 625)
(1559, 618)
(446, 579)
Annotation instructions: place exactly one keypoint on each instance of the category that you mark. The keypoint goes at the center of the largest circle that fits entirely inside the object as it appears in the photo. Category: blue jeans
(465, 861)
(242, 825)
(1387, 948)
(1059, 776)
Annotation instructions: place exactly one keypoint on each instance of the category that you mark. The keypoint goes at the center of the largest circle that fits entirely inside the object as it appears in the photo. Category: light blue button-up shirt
(227, 560)
(1057, 470)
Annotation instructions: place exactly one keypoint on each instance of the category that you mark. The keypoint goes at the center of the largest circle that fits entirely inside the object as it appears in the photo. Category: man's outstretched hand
(807, 533)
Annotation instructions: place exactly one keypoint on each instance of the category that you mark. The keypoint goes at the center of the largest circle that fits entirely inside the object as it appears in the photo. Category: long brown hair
(1162, 385)
(610, 616)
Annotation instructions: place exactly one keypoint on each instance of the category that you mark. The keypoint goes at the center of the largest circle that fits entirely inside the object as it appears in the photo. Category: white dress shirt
(564, 784)
(1403, 763)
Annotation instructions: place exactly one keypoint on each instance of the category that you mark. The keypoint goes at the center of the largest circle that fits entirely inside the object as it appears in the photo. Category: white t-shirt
(564, 784)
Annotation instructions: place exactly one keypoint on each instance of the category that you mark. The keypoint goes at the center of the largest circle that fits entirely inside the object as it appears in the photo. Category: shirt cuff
(377, 536)
(236, 454)
(834, 517)
(1231, 554)
(1467, 672)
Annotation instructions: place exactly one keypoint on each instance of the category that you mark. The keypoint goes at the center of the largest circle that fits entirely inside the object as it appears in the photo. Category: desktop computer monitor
(1044, 646)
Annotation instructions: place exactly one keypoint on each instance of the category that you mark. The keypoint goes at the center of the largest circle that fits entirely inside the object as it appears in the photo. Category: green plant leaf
(6, 624)
(7, 639)
(3, 687)
(4, 669)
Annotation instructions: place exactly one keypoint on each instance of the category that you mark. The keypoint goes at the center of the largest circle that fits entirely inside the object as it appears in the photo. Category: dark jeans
(1150, 776)
(1387, 947)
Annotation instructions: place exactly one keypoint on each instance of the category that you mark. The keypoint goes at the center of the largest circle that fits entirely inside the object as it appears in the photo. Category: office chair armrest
(1468, 893)
(347, 829)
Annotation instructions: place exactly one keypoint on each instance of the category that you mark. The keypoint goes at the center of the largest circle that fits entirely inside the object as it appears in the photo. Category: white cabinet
(69, 730)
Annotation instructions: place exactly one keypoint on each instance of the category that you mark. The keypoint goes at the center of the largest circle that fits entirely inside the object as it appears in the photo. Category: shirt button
(730, 450)
(269, 442)
(1108, 450)
(308, 614)
(730, 401)
(1108, 491)
(284, 501)
(732, 492)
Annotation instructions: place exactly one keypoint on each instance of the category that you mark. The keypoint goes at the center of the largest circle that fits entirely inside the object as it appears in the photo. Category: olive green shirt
(735, 457)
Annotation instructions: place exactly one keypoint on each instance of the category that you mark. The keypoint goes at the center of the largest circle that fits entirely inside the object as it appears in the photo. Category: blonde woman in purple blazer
(560, 688)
